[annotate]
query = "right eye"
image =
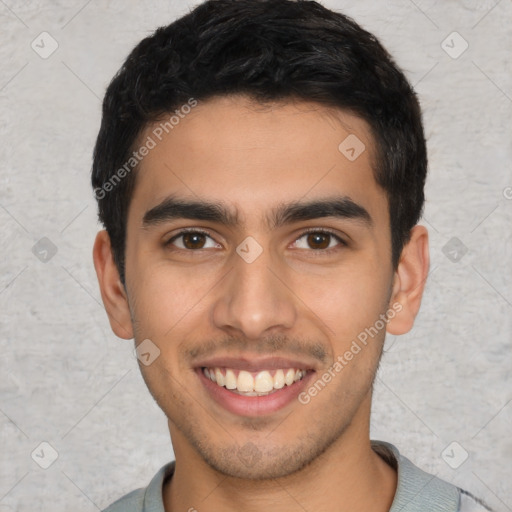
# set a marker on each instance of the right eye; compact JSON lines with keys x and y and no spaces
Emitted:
{"x":191,"y":240}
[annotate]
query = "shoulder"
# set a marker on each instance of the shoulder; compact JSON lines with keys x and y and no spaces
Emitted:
{"x":131,"y":502}
{"x":148,"y":499}
{"x":418,"y":491}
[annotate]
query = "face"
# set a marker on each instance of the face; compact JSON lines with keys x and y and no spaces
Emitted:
{"x":257,"y":253}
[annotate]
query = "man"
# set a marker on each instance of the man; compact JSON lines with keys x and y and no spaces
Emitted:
{"x":259,"y":171}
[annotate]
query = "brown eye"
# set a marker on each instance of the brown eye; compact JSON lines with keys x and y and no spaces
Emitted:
{"x":192,"y":240}
{"x":319,"y":241}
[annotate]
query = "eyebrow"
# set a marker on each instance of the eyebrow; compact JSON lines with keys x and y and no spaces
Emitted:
{"x":341,"y":207}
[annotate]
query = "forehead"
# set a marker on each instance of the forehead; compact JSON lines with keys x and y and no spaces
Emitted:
{"x":236,"y":151}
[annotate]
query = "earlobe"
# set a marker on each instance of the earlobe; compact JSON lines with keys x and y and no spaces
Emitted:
{"x":112,"y":290}
{"x":409,"y":281}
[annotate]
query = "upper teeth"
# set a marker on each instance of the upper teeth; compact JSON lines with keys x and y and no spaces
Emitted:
{"x":259,"y":383}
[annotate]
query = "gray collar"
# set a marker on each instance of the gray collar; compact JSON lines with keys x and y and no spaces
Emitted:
{"x":416,"y":490}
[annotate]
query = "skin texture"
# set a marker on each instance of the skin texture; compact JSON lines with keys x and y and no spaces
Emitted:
{"x":293,"y":300}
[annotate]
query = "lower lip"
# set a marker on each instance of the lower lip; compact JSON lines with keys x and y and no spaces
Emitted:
{"x":254,"y":405}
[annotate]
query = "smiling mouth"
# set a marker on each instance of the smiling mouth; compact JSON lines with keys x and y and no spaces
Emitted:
{"x":260,"y":383}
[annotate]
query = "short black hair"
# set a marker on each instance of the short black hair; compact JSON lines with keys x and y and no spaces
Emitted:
{"x":269,"y":50}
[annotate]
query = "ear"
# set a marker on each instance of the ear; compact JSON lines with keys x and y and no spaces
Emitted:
{"x":112,"y":290}
{"x":409,"y":282}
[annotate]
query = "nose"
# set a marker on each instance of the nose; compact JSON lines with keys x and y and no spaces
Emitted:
{"x":254,"y":299}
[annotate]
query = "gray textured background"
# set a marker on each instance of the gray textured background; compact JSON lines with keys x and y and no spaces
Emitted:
{"x":67,"y":381}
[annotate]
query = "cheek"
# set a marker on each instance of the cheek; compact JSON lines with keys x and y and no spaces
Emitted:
{"x":347,"y":300}
{"x":169,"y":298}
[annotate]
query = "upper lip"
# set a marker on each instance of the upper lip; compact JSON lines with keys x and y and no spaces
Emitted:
{"x":254,"y":364}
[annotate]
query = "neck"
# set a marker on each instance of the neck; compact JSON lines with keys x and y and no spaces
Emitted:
{"x":348,"y":476}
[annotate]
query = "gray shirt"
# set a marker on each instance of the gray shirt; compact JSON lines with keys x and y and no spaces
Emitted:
{"x":416,"y":490}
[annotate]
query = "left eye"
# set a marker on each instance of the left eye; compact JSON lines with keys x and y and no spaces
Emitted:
{"x":318,"y":240}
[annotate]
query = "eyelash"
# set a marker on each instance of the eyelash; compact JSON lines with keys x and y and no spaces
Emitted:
{"x":322,"y":231}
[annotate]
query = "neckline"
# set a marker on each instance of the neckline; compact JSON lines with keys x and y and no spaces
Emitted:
{"x":414,"y":486}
